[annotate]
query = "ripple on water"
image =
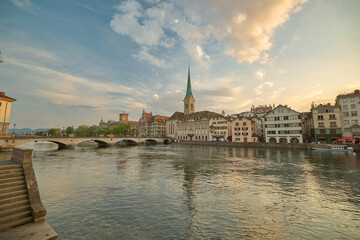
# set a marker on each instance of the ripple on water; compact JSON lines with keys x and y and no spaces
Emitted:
{"x":189,"y":192}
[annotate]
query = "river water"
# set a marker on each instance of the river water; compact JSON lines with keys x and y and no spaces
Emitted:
{"x":199,"y":192}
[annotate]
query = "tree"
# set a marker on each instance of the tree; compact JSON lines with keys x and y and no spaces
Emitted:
{"x":40,"y":133}
{"x":122,"y":129}
{"x":69,"y":130}
{"x":84,"y":130}
{"x":54,"y":132}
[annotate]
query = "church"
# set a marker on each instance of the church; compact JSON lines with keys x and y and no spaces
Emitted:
{"x":190,"y":125}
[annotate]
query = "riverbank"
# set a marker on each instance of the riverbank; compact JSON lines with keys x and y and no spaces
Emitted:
{"x":248,"y":144}
{"x":263,"y":145}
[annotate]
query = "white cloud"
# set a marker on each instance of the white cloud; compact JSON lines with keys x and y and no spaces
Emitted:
{"x":23,"y":4}
{"x":260,"y":74}
{"x":246,"y":27}
{"x":155,"y":97}
{"x":259,"y":90}
{"x":144,"y":55}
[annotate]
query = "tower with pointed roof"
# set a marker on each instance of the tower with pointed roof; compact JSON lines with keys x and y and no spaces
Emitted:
{"x":189,"y":101}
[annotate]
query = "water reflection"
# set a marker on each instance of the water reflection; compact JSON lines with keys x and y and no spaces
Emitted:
{"x":190,"y":192}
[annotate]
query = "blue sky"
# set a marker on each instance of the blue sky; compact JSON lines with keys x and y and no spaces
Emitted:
{"x":75,"y":62}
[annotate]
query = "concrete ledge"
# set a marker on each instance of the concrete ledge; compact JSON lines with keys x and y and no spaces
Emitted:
{"x":31,"y":231}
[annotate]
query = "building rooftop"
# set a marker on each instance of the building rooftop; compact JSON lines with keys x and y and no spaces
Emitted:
{"x":352,"y":94}
{"x":3,"y":97}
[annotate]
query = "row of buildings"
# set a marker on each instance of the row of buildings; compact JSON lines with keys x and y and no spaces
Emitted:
{"x":324,"y":123}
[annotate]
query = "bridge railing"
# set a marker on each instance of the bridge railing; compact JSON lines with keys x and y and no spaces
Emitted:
{"x":90,"y":136}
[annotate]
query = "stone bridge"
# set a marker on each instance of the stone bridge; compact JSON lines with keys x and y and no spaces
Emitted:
{"x":71,"y":142}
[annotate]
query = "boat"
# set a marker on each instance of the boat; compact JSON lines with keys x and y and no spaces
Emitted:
{"x":333,"y":147}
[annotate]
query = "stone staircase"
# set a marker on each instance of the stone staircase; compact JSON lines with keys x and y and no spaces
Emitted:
{"x":15,"y":209}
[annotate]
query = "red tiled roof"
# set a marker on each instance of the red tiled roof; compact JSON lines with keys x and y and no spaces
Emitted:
{"x":148,"y":117}
{"x":164,"y":118}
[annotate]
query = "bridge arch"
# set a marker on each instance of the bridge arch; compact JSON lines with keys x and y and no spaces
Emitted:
{"x":150,"y":141}
{"x":129,"y":142}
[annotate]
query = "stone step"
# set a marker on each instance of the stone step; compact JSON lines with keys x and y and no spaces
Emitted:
{"x":11,"y":179}
{"x":13,"y":194}
{"x":14,"y":210}
{"x":21,"y":202}
{"x":13,"y":199}
{"x":16,"y":223}
{"x":12,"y":184}
{"x":14,"y":217}
{"x":12,"y":189}
{"x":8,"y":167}
{"x":10,"y":175}
{"x":12,"y":170}
{"x":31,"y":231}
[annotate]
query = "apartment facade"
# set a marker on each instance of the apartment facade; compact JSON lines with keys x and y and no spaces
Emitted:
{"x":350,"y":114}
{"x":195,"y":126}
{"x":283,"y":125}
{"x":219,"y":128}
{"x":327,"y":123}
{"x":244,"y":129}
{"x":152,"y":125}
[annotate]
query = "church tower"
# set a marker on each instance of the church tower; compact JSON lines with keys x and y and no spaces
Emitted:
{"x":189,"y":101}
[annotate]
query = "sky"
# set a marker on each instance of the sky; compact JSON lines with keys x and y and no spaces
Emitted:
{"x":76,"y":62}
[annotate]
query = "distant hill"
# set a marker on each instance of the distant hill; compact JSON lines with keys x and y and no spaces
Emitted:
{"x":28,"y":130}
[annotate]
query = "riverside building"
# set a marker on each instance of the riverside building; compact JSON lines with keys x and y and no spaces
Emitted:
{"x":327,"y":123}
{"x":5,"y":108}
{"x":219,"y":128}
{"x":152,"y":126}
{"x":283,"y":125}
{"x":244,"y":129}
{"x":350,"y":114}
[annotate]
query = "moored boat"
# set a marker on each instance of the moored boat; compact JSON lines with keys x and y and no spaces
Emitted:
{"x":334,"y":147}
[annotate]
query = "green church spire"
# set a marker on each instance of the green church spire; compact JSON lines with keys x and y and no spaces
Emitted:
{"x":188,"y":89}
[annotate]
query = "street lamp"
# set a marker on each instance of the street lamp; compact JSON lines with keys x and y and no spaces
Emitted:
{"x":14,"y":128}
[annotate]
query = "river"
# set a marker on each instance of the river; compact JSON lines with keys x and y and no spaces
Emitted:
{"x":199,"y":192}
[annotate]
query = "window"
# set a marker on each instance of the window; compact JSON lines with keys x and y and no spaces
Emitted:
{"x":322,"y":131}
{"x":321,"y":124}
{"x":346,"y":114}
{"x":332,"y":131}
{"x":354,"y":113}
{"x":332,"y":116}
{"x":320,"y":117}
{"x":353,"y":106}
{"x":345,"y":107}
{"x":354,"y":121}
{"x":286,"y":118}
{"x":345,"y":100}
{"x":352,"y":99}
{"x":244,"y":123}
{"x":271,"y":132}
{"x":332,"y":124}
{"x":237,"y":124}
{"x":346,"y":122}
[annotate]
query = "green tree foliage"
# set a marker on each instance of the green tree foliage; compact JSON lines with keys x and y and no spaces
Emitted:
{"x":40,"y":133}
{"x":69,"y":130}
{"x":84,"y":130}
{"x":121,"y":129}
{"x":54,"y":132}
